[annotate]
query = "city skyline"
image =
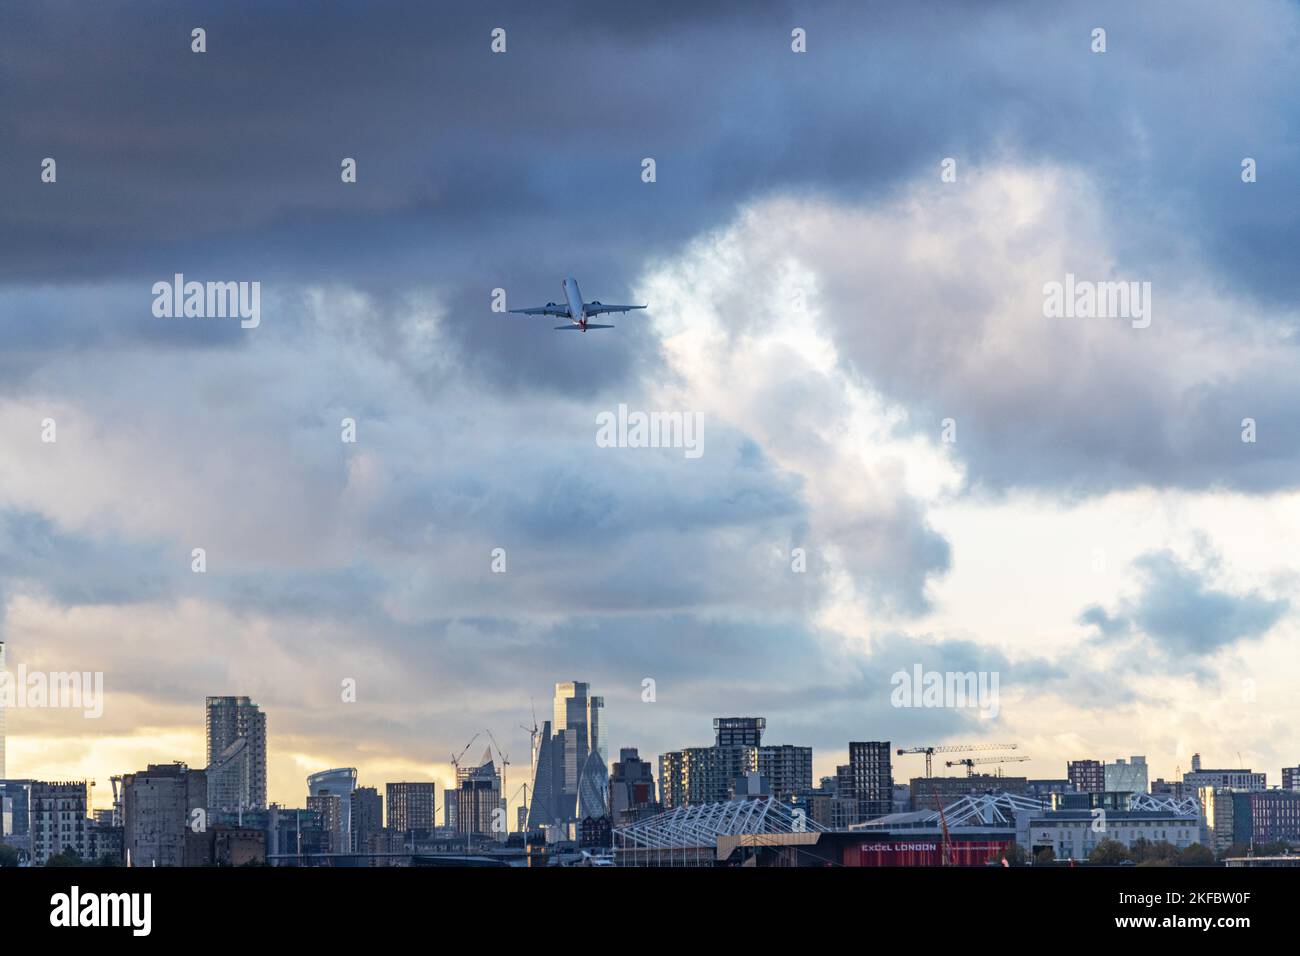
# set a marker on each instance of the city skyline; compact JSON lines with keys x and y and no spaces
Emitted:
{"x":993,"y":355}
{"x":826,"y":763}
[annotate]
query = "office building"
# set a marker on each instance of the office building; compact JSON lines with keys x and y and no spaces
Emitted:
{"x":1218,"y":812}
{"x":571,"y":781}
{"x":1044,"y":790}
{"x":59,"y":819}
{"x":632,"y":794}
{"x":480,"y":808}
{"x":158,"y":809}
{"x":1074,"y":834}
{"x":738,"y":731}
{"x":825,"y":807}
{"x":329,"y":807}
{"x":698,"y":775}
{"x":295,"y":833}
{"x":15,"y":808}
{"x":1128,"y":776}
{"x":367,"y":816}
{"x":236,"y":732}
{"x":1086,"y":776}
{"x":870,"y":778}
{"x":703,"y":774}
{"x":1198,"y":778}
{"x":1266,"y":816}
{"x":1291,"y":778}
{"x":787,"y":769}
{"x":339,"y":782}
{"x":411,"y":807}
{"x":928,"y":793}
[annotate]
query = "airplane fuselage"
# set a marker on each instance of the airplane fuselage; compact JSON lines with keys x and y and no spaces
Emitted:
{"x":573,"y":298}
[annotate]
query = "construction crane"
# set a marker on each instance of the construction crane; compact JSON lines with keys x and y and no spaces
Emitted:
{"x":969,"y":762}
{"x":505,"y":763}
{"x":945,"y":848}
{"x":524,"y":788}
{"x":533,"y":734}
{"x":455,"y":760}
{"x":950,"y":749}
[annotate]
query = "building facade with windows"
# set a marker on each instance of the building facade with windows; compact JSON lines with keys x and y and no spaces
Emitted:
{"x":236,"y":753}
{"x":59,"y":819}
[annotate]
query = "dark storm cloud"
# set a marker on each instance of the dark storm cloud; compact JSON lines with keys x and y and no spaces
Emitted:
{"x":479,"y":171}
{"x":1177,"y":617}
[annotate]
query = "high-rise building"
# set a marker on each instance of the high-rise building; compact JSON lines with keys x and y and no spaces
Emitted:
{"x":572,"y":775}
{"x":339,"y":782}
{"x":738,"y":731}
{"x":411,"y":806}
{"x":698,"y":775}
{"x":59,"y":819}
{"x":236,"y":768}
{"x":870,"y":778}
{"x":713,"y":774}
{"x":1126,"y":776}
{"x":330,"y":808}
{"x":478,"y":798}
{"x":787,"y":769}
{"x":15,"y":808}
{"x":1291,"y":778}
{"x":158,"y":805}
{"x":631,"y":788}
{"x":1086,"y":776}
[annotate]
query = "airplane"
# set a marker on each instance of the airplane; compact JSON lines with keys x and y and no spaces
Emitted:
{"x":575,"y":310}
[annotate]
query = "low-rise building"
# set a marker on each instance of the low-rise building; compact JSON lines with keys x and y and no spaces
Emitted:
{"x":1074,"y":834}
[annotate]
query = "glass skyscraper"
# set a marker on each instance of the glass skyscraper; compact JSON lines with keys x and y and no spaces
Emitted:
{"x":340,"y":783}
{"x":572,"y":778}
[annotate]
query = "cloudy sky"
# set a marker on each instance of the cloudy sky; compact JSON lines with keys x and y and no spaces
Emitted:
{"x":1089,"y":524}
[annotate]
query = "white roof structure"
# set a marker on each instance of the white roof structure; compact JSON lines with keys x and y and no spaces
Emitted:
{"x":1001,"y":810}
{"x":1150,"y":803}
{"x":701,"y":825}
{"x":973,"y":810}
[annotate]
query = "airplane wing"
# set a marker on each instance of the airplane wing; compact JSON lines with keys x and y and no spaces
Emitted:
{"x":549,"y":308}
{"x":598,"y":307}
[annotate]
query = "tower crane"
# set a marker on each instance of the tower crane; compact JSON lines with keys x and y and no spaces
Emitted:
{"x":524,"y":788}
{"x":950,"y":749}
{"x":505,"y":763}
{"x":455,"y":760}
{"x":533,"y":734}
{"x":969,"y":762}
